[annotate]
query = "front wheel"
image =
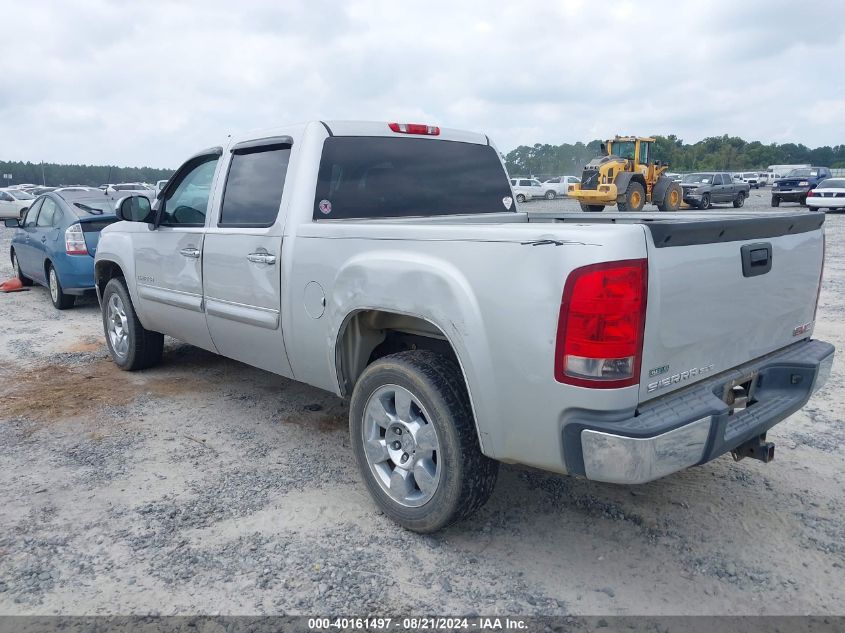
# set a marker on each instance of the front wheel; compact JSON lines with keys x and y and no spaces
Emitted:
{"x":633,"y":199}
{"x":550,"y":195}
{"x":130,"y":345}
{"x":61,"y":300}
{"x":775,"y":201}
{"x":414,"y":438}
{"x":739,"y":200}
{"x":705,"y":201}
{"x":520,"y":197}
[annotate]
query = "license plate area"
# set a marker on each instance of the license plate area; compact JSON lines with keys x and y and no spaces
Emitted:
{"x":739,"y":394}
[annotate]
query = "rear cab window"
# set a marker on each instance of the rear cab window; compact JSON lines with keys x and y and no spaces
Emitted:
{"x":386,"y":177}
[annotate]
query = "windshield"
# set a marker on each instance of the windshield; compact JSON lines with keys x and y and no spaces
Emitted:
{"x":20,"y":195}
{"x":803,"y":173}
{"x":702,"y":178}
{"x":623,"y":149}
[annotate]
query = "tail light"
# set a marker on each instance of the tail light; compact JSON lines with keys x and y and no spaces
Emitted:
{"x":414,"y":128}
{"x":811,"y":193}
{"x":600,"y":327}
{"x":75,"y":240}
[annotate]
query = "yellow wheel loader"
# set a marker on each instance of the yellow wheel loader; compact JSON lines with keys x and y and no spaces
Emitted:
{"x":626,"y":176}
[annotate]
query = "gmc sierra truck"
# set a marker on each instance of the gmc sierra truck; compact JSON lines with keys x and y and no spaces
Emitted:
{"x":389,"y":263}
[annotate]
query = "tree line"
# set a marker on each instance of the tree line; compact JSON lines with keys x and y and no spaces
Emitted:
{"x":728,"y":153}
{"x":55,"y":175}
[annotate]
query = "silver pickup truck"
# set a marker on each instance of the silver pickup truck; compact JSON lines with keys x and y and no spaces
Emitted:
{"x":389,"y":264}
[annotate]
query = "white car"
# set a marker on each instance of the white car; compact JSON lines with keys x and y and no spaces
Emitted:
{"x":530,"y":188}
{"x":560,"y":185}
{"x":828,"y":194}
{"x":161,"y":184}
{"x":13,"y":202}
{"x":131,"y":188}
{"x":751,"y":178}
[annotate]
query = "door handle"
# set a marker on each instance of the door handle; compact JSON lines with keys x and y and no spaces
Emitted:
{"x":261,"y":258}
{"x":191,"y":252}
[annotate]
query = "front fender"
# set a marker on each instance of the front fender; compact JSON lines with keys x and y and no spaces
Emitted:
{"x":116,"y":247}
{"x":421,"y":286}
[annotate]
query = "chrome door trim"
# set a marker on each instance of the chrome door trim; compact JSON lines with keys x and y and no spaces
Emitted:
{"x":267,"y":318}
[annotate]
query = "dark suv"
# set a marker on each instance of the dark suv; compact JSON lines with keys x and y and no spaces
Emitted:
{"x":796,"y":184}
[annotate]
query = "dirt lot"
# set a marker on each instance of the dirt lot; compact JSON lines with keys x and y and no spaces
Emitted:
{"x":205,"y":486}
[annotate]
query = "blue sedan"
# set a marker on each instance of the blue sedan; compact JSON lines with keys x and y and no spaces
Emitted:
{"x":56,"y":242}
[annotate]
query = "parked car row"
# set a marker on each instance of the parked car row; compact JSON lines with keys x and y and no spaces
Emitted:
{"x":531,"y":188}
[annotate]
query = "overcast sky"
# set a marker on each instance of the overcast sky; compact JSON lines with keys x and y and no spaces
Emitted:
{"x":148,"y":83}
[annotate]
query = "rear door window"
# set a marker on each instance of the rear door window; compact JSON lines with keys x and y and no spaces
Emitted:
{"x":382,"y":177}
{"x":254,"y":186}
{"x":49,"y":210}
{"x":32,"y":214}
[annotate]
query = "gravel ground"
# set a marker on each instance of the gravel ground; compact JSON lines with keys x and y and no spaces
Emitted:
{"x":205,"y":486}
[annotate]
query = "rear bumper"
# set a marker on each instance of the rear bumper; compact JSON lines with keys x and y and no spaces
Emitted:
{"x":695,"y":425}
{"x":818,"y":202}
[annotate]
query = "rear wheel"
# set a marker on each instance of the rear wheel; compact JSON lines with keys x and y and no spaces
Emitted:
{"x":60,"y":299}
{"x":775,"y":201}
{"x":633,"y":199}
{"x":414,"y":439}
{"x":739,"y":200}
{"x":705,"y":201}
{"x":591,"y":208}
{"x":131,"y":346}
{"x":672,"y":198}
{"x":25,"y":281}
{"x":550,"y":195}
{"x":520,"y":197}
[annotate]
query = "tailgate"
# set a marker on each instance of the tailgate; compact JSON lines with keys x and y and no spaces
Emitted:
{"x":708,"y":312}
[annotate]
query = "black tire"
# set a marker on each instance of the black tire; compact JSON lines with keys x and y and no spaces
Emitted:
{"x":61,"y":300}
{"x":550,"y":195}
{"x":520,"y":197}
{"x":633,"y":193}
{"x":775,"y":201}
{"x":705,"y":202}
{"x":672,"y":198}
{"x":467,"y":477}
{"x":591,"y":208}
{"x":739,"y":200}
{"x":144,"y":346}
{"x":803,"y":200}
{"x":25,"y":281}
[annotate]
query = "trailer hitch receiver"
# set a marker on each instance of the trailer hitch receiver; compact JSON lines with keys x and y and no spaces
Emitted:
{"x":755,"y":448}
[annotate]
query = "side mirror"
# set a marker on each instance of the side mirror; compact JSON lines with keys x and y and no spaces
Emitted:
{"x":134,"y":209}
{"x":12,"y":223}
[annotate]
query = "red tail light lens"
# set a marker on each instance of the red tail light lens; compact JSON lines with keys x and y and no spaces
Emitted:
{"x":811,"y":193}
{"x":414,"y":128}
{"x":75,"y":241}
{"x":600,"y":327}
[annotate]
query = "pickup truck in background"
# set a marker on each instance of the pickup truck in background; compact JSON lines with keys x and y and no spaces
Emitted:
{"x":388,"y":264}
{"x":704,"y":189}
{"x":794,"y":187}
